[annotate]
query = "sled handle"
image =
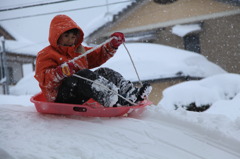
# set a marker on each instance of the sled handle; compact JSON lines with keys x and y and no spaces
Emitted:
{"x":91,"y":50}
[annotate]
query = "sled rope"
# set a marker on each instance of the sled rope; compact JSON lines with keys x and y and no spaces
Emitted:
{"x":106,"y":88}
{"x":133,"y":65}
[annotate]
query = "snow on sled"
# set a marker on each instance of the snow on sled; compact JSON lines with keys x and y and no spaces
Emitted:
{"x":90,"y":108}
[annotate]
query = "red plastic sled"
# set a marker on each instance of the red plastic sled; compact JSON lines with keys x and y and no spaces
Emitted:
{"x":91,"y":108}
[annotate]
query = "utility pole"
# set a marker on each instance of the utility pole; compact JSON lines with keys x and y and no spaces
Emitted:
{"x":4,"y":70}
{"x":108,"y":15}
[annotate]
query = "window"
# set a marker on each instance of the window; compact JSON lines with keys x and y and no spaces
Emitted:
{"x":164,"y":1}
{"x":1,"y":73}
{"x":10,"y":72}
{"x":192,"y":43}
{"x":234,"y":2}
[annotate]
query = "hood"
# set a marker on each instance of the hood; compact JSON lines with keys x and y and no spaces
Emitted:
{"x":59,"y":25}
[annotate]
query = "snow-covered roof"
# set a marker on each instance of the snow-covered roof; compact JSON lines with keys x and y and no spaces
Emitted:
{"x":154,"y":61}
{"x":20,"y":47}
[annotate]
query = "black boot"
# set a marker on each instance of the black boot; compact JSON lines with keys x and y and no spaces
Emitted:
{"x":144,"y":92}
{"x":135,"y":95}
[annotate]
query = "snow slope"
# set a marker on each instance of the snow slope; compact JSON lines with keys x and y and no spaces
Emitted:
{"x":156,"y":134}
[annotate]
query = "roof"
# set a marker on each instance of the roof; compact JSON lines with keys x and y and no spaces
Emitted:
{"x":6,"y":34}
{"x":148,"y":15}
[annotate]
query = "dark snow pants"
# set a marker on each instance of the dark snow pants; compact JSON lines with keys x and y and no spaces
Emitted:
{"x":75,"y":90}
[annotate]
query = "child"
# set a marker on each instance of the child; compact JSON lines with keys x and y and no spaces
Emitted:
{"x":54,"y":70}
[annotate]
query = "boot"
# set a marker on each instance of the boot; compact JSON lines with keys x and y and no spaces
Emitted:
{"x":135,"y":94}
{"x":144,"y":92}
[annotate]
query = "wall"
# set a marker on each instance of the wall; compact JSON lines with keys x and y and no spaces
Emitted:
{"x":220,"y":42}
{"x":150,"y":15}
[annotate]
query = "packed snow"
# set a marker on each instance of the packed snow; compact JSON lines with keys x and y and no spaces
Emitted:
{"x":158,"y":132}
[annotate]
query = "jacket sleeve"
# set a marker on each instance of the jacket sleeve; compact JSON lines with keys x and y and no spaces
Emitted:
{"x":100,"y":56}
{"x":45,"y":74}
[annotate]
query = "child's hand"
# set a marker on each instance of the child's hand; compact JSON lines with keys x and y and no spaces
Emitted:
{"x":66,"y":69}
{"x":117,"y":40}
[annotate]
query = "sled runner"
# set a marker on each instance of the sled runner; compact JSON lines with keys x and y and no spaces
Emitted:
{"x":90,"y":109}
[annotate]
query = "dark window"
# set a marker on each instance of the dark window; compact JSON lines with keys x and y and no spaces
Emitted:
{"x":1,"y":73}
{"x":234,"y":2}
{"x":164,"y":1}
{"x":10,"y":71}
{"x":192,"y":43}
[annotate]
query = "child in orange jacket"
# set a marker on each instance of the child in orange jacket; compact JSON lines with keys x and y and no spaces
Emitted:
{"x":55,"y":67}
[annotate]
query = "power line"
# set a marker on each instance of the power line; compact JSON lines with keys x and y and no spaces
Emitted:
{"x":34,"y":5}
{"x":69,"y":10}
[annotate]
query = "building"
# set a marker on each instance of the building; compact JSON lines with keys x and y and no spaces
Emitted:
{"x":208,"y":27}
{"x":15,"y":58}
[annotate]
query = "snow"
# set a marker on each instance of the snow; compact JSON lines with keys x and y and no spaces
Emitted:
{"x":182,"y":30}
{"x":160,"y":132}
{"x":22,"y":47}
{"x":154,"y":61}
{"x":221,"y":91}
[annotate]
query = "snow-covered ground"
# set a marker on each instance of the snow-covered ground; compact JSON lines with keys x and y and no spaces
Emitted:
{"x":160,"y":132}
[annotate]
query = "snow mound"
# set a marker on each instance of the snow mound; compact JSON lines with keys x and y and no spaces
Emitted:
{"x":221,"y":92}
{"x":26,"y":86}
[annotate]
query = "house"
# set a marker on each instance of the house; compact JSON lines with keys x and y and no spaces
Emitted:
{"x":208,"y":27}
{"x":15,"y":58}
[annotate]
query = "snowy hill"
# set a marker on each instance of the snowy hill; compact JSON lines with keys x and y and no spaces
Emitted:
{"x":156,"y":134}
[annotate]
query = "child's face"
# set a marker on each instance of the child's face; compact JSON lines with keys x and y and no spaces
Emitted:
{"x":67,"y":39}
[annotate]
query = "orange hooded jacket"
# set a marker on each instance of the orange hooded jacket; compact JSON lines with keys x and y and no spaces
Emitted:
{"x":54,"y":55}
